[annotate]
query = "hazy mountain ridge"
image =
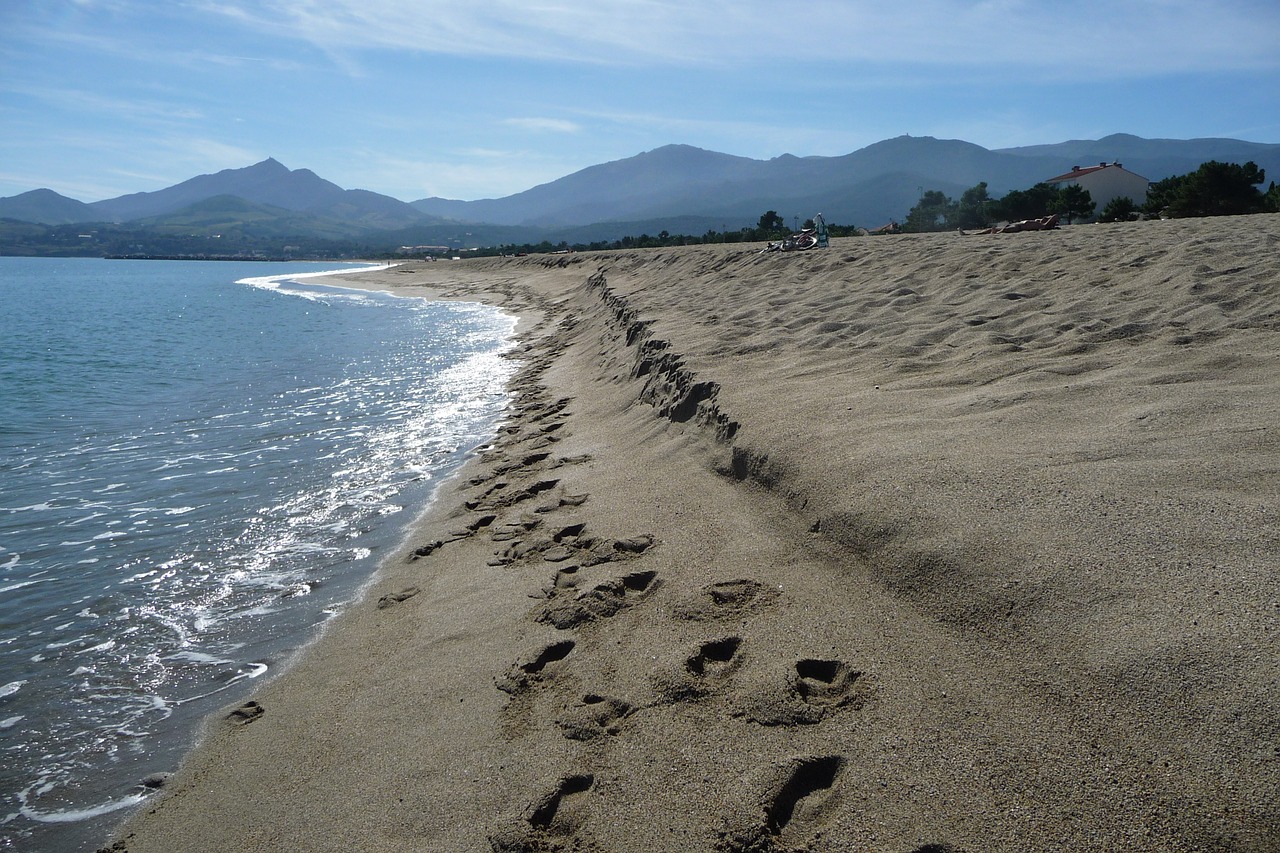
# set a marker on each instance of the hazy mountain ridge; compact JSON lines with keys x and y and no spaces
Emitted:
{"x":45,"y":207}
{"x":300,"y":198}
{"x":674,"y":188}
{"x":869,"y":186}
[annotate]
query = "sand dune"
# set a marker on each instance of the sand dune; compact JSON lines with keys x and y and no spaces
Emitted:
{"x":916,"y":543}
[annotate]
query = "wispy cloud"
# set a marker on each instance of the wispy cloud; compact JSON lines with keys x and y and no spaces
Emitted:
{"x":84,"y":100}
{"x":464,"y":174}
{"x":1139,"y":36}
{"x":126,"y":29}
{"x":548,"y":125}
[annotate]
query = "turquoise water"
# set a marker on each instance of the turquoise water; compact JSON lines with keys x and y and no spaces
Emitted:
{"x":198,"y":466}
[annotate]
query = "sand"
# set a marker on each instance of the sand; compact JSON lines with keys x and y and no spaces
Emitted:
{"x":916,"y":543}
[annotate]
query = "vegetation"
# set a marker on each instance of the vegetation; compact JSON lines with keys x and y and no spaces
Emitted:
{"x":1072,"y":201}
{"x":1119,"y":209}
{"x":770,"y":226}
{"x":976,"y":209}
{"x":1215,"y":189}
{"x":106,"y":240}
{"x":1030,"y":203}
{"x":934,"y":212}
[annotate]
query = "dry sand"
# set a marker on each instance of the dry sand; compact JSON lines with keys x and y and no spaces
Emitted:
{"x":917,"y":543}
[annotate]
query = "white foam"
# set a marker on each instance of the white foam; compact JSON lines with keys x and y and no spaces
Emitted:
{"x":275,"y":282}
{"x":40,"y":507}
{"x":12,"y":587}
{"x":11,"y":688}
{"x":76,"y":815}
{"x":198,"y":657}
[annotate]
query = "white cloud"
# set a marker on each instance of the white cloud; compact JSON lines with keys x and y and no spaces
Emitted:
{"x":1139,"y":36}
{"x":552,"y":125}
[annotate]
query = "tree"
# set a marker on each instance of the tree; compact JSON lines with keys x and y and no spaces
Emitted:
{"x":1220,"y":189}
{"x":973,"y":209}
{"x":1072,"y":200}
{"x":770,"y":222}
{"x":1119,"y":209}
{"x":1030,"y":203}
{"x":931,"y":213}
{"x":1160,"y":194}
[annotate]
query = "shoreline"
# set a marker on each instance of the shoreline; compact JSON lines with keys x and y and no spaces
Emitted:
{"x":912,"y":541}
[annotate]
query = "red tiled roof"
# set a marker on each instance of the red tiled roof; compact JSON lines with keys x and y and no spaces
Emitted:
{"x":1077,"y":171}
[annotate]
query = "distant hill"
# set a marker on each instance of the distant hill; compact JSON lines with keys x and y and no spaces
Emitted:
{"x":260,"y":201}
{"x":1154,"y":159}
{"x":45,"y":207}
{"x":870,"y":186}
{"x":232,"y":216}
{"x":270,"y":183}
{"x":676,"y":188}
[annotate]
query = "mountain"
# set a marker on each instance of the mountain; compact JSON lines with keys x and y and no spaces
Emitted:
{"x":1155,"y":158}
{"x":45,"y":207}
{"x":870,"y":186}
{"x":676,"y":188}
{"x":270,"y":183}
{"x":618,"y":190}
{"x":231,"y":216}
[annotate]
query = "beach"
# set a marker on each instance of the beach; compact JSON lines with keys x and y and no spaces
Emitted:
{"x":914,"y":543}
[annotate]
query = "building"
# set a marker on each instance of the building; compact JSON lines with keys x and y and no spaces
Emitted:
{"x":1104,"y":182}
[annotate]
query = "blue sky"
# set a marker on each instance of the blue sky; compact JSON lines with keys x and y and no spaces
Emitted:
{"x":483,"y":99}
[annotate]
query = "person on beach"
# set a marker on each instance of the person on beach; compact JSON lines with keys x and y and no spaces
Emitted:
{"x":1044,"y":223}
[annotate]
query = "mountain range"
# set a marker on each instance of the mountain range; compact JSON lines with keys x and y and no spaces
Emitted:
{"x":678,"y":188}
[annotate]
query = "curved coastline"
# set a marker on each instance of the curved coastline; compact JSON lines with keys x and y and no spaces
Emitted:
{"x":918,"y":542}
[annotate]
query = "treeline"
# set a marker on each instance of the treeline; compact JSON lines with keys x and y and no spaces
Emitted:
{"x":771,"y":226}
{"x":1214,"y":189}
{"x":105,"y":240}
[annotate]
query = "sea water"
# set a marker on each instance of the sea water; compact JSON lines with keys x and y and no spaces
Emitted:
{"x":200,"y":464}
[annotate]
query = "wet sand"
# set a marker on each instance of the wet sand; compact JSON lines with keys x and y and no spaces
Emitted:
{"x":916,"y":543}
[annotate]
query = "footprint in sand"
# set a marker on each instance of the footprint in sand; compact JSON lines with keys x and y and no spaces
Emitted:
{"x":535,"y":670}
{"x":599,"y":602}
{"x":594,"y":717}
{"x":714,"y":658}
{"x":246,"y":714}
{"x":700,"y":673}
{"x":426,"y":550}
{"x":476,"y":524}
{"x":512,"y":529}
{"x":804,"y":694}
{"x":572,"y":544}
{"x":551,"y":823}
{"x":394,"y":598}
{"x":501,"y":496}
{"x":797,"y":797}
{"x":726,"y":599}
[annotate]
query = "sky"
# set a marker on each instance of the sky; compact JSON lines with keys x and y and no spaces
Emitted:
{"x":483,"y":99}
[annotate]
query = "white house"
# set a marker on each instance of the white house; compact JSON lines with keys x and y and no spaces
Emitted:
{"x":1104,"y":182}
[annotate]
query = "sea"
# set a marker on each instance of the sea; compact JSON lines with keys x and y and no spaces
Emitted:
{"x":201,"y":463}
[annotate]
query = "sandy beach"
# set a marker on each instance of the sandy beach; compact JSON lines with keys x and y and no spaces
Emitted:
{"x":917,"y":543}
